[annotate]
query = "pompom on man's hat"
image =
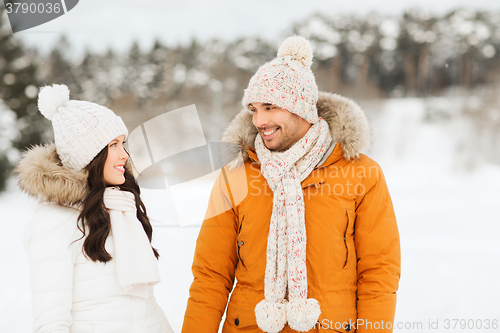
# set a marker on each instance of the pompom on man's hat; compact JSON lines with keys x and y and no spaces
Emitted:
{"x":81,"y":129}
{"x":287,"y":81}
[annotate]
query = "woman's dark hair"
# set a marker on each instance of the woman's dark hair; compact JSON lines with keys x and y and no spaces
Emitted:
{"x":95,"y":216}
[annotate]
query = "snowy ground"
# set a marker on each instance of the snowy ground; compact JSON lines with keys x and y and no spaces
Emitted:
{"x":448,"y":220}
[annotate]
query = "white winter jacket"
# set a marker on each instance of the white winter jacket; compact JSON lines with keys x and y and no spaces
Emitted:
{"x":71,"y":293}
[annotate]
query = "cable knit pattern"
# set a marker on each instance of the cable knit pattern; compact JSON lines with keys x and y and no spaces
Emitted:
{"x":286,"y":271}
{"x":70,"y":292}
{"x":81,"y":129}
{"x":287,"y":81}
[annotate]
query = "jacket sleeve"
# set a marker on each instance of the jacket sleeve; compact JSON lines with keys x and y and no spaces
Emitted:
{"x":378,"y":255}
{"x":51,"y":256}
{"x":214,"y":263}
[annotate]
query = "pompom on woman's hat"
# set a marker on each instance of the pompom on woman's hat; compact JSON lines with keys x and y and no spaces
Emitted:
{"x":81,"y":129}
{"x":287,"y":81}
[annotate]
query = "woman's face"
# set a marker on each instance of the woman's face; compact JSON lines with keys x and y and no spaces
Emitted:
{"x":114,"y":167}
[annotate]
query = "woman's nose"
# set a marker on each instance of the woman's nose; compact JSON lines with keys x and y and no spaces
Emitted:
{"x":124,"y":154}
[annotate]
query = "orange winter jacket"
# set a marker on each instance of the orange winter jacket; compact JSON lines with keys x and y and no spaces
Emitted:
{"x":353,"y":251}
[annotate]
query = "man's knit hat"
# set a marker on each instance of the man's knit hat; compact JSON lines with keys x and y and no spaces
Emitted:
{"x":287,"y":81}
{"x":81,"y":129}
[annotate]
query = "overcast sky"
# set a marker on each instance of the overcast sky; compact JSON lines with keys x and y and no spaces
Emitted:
{"x":98,"y":25}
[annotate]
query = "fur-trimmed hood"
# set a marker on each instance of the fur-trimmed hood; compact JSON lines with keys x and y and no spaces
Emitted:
{"x":348,"y":126}
{"x":42,"y":176}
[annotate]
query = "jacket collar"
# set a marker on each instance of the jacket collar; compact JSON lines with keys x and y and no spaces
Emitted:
{"x":42,"y":176}
{"x":348,"y":126}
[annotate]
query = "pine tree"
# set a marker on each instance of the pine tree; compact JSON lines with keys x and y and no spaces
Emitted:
{"x":59,"y":69}
{"x":18,"y":89}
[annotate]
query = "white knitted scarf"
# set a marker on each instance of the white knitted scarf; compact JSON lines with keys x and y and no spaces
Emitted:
{"x":286,"y":272}
{"x":135,"y":262}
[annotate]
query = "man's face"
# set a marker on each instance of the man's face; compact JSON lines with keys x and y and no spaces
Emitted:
{"x":279,"y":128}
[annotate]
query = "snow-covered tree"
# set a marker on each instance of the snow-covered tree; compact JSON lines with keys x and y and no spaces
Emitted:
{"x":8,"y":133}
{"x":18,"y":92}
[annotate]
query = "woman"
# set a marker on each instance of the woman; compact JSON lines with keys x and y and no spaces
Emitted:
{"x":92,"y":264}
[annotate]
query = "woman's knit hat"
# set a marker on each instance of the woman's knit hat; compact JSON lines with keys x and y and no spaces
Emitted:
{"x":81,"y":129}
{"x":287,"y":81}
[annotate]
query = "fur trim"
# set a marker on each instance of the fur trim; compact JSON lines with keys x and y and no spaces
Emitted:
{"x":348,"y":123}
{"x":348,"y":126}
{"x":41,"y":175}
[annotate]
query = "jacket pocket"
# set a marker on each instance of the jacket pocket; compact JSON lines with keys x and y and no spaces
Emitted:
{"x":240,"y":242}
{"x":240,"y":316}
{"x":337,"y":319}
{"x":349,"y":247}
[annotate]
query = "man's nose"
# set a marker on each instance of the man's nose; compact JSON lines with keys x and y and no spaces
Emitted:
{"x":260,"y":118}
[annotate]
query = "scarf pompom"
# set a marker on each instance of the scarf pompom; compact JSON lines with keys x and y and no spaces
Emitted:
{"x":286,"y":267}
{"x":271,"y":316}
{"x":303,"y":314}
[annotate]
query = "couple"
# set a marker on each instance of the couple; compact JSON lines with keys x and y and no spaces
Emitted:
{"x":313,"y":244}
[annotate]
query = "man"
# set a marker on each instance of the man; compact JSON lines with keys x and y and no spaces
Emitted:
{"x":305,"y":225}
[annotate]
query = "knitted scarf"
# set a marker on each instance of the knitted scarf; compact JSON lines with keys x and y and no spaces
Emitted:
{"x":286,"y":273}
{"x":134,"y":258}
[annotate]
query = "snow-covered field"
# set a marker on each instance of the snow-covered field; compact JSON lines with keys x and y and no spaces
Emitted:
{"x":448,"y":219}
